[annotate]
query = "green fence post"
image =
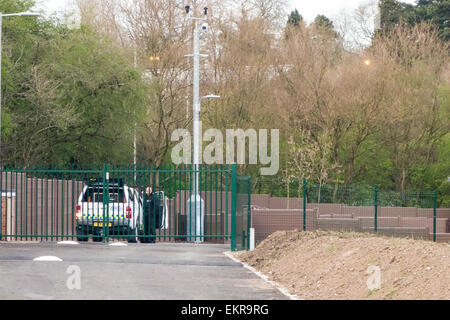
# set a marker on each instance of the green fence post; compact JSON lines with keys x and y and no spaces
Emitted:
{"x":105,"y":203}
{"x":249,"y":217}
{"x":233,"y":206}
{"x":304,"y":204}
{"x":1,"y":207}
{"x":375,"y":223}
{"x":434,"y":215}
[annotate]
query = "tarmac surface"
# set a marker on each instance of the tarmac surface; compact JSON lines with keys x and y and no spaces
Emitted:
{"x":96,"y":271}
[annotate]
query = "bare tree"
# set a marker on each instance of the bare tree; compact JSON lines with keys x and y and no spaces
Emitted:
{"x":417,"y":116}
{"x":357,"y":28}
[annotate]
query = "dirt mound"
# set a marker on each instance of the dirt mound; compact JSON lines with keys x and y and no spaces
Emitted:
{"x":331,"y":265}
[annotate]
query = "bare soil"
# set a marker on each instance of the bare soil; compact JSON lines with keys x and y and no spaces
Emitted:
{"x":330,"y":265}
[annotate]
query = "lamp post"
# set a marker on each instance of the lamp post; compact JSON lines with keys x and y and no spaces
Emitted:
{"x":135,"y":131}
{"x":195,"y":203}
{"x":21,"y":14}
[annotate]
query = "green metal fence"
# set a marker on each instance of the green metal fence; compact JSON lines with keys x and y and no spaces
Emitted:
{"x":109,"y":203}
{"x":243,"y":213}
{"x":369,"y":209}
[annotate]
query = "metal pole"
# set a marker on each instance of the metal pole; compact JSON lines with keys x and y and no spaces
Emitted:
{"x":434,"y":215}
{"x":196,"y":204}
{"x":196,"y":106}
{"x":304,"y":204}
{"x":249,"y":208}
{"x":375,"y":222}
{"x":135,"y":125}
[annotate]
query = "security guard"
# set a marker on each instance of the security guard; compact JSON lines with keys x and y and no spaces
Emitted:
{"x":150,"y":207}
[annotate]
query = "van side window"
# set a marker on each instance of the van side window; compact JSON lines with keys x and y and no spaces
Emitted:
{"x":96,"y":195}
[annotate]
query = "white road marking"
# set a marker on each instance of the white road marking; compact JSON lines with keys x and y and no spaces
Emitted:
{"x":280,"y":288}
{"x":118,"y":244}
{"x":36,"y":296}
{"x":47,"y":259}
{"x":68,"y":242}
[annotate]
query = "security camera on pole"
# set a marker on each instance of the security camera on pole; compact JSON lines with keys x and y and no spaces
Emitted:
{"x":195,"y":205}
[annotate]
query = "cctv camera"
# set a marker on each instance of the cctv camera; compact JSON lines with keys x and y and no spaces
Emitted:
{"x":205,"y":26}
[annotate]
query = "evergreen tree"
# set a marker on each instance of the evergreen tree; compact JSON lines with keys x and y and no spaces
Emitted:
{"x":436,"y":12}
{"x":295,"y":18}
{"x":441,"y":18}
{"x":324,"y":22}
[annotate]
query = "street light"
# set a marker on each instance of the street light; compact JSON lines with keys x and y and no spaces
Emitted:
{"x":367,"y":62}
{"x":20,"y":14}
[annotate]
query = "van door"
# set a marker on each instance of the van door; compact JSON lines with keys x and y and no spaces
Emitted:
{"x":162,"y":211}
{"x":91,"y":203}
{"x":140,"y":205}
{"x":117,"y":205}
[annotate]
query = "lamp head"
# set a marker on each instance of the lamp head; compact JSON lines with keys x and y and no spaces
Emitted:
{"x":22,"y":14}
{"x":211,"y":96}
{"x":30,"y":14}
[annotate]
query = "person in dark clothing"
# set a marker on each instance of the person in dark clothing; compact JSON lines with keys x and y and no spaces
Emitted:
{"x":149,"y":216}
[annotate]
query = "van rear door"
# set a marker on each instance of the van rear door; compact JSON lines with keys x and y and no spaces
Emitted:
{"x":117,"y":204}
{"x":92,"y":204}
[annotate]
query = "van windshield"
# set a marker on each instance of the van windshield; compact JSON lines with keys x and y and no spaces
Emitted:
{"x":96,"y":195}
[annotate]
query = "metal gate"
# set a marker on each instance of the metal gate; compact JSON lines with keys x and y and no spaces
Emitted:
{"x":109,"y":203}
{"x":243,"y":213}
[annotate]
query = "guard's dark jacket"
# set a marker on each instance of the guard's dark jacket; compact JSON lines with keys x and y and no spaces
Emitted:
{"x":149,"y":205}
{"x":150,"y":217}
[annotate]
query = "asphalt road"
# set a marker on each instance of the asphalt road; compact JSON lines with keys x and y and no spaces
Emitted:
{"x":138,"y":272}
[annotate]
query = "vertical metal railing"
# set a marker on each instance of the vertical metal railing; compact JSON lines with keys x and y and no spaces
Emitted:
{"x":233,"y":206}
{"x":375,"y":204}
{"x":434,"y":214}
{"x":242,"y":214}
{"x":305,"y":196}
{"x":364,"y":208}
{"x":47,"y":203}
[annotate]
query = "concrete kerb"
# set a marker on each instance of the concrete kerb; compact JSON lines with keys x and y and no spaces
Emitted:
{"x":276,"y":285}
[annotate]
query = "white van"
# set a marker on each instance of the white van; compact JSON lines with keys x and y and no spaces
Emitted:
{"x":123,"y":216}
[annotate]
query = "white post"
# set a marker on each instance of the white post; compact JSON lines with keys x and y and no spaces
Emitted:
{"x":252,"y":239}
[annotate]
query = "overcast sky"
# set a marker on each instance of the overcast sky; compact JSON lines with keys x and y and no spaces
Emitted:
{"x":309,"y":9}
